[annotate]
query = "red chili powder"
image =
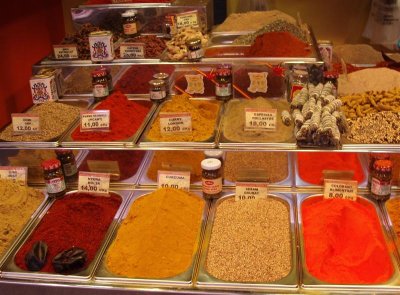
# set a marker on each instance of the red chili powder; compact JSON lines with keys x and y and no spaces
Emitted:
{"x":311,"y":165}
{"x":79,"y":220}
{"x":278,"y":44}
{"x":128,"y":161}
{"x":344,"y":242}
{"x":126,"y":116}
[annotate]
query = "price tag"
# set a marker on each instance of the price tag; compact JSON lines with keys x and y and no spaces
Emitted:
{"x":97,"y":183}
{"x":65,"y":51}
{"x":97,"y":120}
{"x":340,"y":189}
{"x":251,"y":190}
{"x":262,"y":119}
{"x":174,"y":179}
{"x":17,"y":174}
{"x":172,"y":123}
{"x":187,"y":19}
{"x":25,"y":123}
{"x":132,"y":50}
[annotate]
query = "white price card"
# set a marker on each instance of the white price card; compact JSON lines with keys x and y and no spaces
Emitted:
{"x":17,"y":174}
{"x":96,"y":183}
{"x":172,"y":123}
{"x":251,"y":190}
{"x":132,"y":50}
{"x":174,"y":179}
{"x":260,"y":119}
{"x":340,"y":189}
{"x":187,"y":19}
{"x":25,"y":123}
{"x":96,"y":120}
{"x":65,"y":51}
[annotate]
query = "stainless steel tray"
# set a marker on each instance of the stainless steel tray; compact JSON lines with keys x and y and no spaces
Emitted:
{"x":12,"y":271}
{"x":79,"y":102}
{"x":309,"y":282}
{"x":184,"y":280}
{"x":226,"y":38}
{"x":68,"y":141}
{"x":288,"y":283}
{"x":209,"y":143}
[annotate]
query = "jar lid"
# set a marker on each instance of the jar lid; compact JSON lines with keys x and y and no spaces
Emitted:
{"x":107,"y":69}
{"x":129,"y":13}
{"x":160,"y":76}
{"x":214,"y":153}
{"x":51,"y":164}
{"x":379,"y":156}
{"x":331,"y":74}
{"x":100,"y":33}
{"x":193,"y":41}
{"x":63,"y":152}
{"x":223,"y":72}
{"x":99,"y":73}
{"x":211,"y":164}
{"x":300,"y":73}
{"x":157,"y":82}
{"x":383,"y":165}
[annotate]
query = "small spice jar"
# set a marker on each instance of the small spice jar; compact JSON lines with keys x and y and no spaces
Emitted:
{"x":223,"y":77}
{"x":295,"y":82}
{"x":130,"y":23}
{"x":68,"y":164}
{"x":211,"y":178}
{"x":109,"y":77}
{"x":158,"y":91}
{"x":194,"y":49}
{"x":381,"y":180}
{"x":54,"y":178}
{"x":165,"y":78}
{"x":332,"y":76}
{"x":216,"y":154}
{"x":373,"y":157}
{"x":100,"y":84}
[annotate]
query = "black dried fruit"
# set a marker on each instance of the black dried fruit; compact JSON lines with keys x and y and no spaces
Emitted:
{"x":35,"y":259}
{"x":69,"y":260}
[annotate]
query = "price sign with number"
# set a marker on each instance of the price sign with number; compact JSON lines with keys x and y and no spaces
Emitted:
{"x":187,"y":19}
{"x":96,"y":120}
{"x":174,"y":179}
{"x":65,"y":51}
{"x":17,"y":174}
{"x":340,"y":189}
{"x":25,"y":123}
{"x":96,"y":183}
{"x":132,"y":50}
{"x":173,"y":123}
{"x":251,"y":190}
{"x":260,"y":119}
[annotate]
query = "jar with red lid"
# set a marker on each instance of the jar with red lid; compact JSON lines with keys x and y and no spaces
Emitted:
{"x":372,"y":158}
{"x":68,"y":164}
{"x":223,"y":87}
{"x":100,"y":84}
{"x":332,"y":76}
{"x":54,"y":178}
{"x":381,"y":180}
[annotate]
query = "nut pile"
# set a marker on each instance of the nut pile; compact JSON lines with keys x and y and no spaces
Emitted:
{"x":317,"y":116}
{"x":176,"y":47}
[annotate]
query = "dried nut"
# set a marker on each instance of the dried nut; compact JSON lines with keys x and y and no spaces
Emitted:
{"x":35,"y":259}
{"x":69,"y":260}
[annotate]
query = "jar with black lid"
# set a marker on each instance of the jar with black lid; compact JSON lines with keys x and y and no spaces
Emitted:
{"x":211,"y":178}
{"x":100,"y":84}
{"x":130,"y":23}
{"x":381,"y":180}
{"x":68,"y":164}
{"x":54,"y":178}
{"x":194,"y":49}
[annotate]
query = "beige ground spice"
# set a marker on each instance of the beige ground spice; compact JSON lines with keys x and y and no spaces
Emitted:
{"x":356,"y":54}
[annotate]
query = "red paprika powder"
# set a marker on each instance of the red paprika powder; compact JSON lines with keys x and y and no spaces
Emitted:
{"x":79,"y":219}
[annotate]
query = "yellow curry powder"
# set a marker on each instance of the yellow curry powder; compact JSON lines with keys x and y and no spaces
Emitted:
{"x":158,"y":237}
{"x":204,"y":115}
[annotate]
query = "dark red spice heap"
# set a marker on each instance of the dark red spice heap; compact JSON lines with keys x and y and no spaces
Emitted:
{"x":77,"y":220}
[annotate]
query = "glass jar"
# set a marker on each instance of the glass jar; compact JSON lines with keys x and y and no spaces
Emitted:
{"x":165,"y":78}
{"x":109,"y":77}
{"x":54,"y":178}
{"x":158,"y":91}
{"x":216,"y":154}
{"x":296,"y":80}
{"x":381,"y":180}
{"x":194,"y":49}
{"x":211,"y":178}
{"x":130,"y":23}
{"x":169,"y":27}
{"x":100,"y":84}
{"x":68,"y":164}
{"x":223,"y":77}
{"x":332,"y":76}
{"x":373,"y":157}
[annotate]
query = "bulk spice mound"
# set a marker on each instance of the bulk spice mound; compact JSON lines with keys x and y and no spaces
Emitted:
{"x":158,"y":237}
{"x":72,"y":221}
{"x":204,"y":116}
{"x":344,"y":242}
{"x":126,"y":117}
{"x":17,"y":204}
{"x":250,"y":241}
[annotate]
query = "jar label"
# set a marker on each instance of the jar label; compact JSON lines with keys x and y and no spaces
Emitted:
{"x":70,"y":169}
{"x":65,"y":51}
{"x":100,"y":90}
{"x":132,"y":50}
{"x":195,"y":54}
{"x":223,"y":89}
{"x":379,"y":187}
{"x":17,"y":174}
{"x":258,"y":82}
{"x":187,"y":19}
{"x":340,"y":189}
{"x":173,"y":123}
{"x":195,"y":84}
{"x":101,"y":48}
{"x":55,"y":185}
{"x":260,"y":119}
{"x":97,"y":183}
{"x":96,"y":120}
{"x":174,"y":179}
{"x":25,"y":123}
{"x":251,"y":190}
{"x":157,"y":95}
{"x":212,"y":186}
{"x":294,"y":90}
{"x":130,"y":28}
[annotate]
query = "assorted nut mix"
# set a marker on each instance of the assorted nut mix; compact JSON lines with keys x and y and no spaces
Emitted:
{"x":176,"y":47}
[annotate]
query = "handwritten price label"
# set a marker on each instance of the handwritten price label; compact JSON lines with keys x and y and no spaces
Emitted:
{"x":251,"y":190}
{"x":132,"y":50}
{"x":187,"y":19}
{"x":25,"y":123}
{"x":65,"y":51}
{"x":97,"y":120}
{"x":17,"y":174}
{"x":172,"y":123}
{"x":260,"y":119}
{"x":174,"y":179}
{"x":340,"y":189}
{"x":97,"y":183}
